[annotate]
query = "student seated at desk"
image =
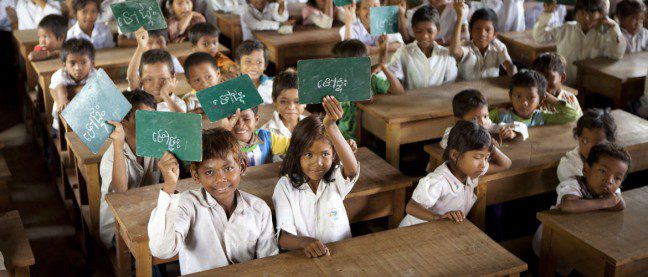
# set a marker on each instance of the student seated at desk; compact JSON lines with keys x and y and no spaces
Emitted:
{"x":594,"y":127}
{"x":285,"y":98}
{"x":227,"y":6}
{"x":260,"y":15}
{"x":204,"y":38}
{"x":202,"y":72}
{"x":531,"y":15}
{"x":448,"y":192}
{"x":26,"y":14}
{"x":447,"y":20}
{"x":252,"y":59}
{"x":357,"y":25}
{"x":51,"y":35}
{"x":552,"y":67}
{"x":180,"y":16}
{"x":631,"y":15}
{"x":318,"y":172}
{"x":87,"y":27}
{"x":482,"y":56}
{"x":148,"y":40}
{"x":510,"y":13}
{"x":321,"y":13}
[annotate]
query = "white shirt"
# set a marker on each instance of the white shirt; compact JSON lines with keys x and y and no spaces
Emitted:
{"x":192,"y":101}
{"x":106,"y":14}
{"x":138,"y":176}
{"x":276,"y":125}
{"x":228,"y":6}
{"x":441,"y":192}
{"x":574,"y":45}
{"x":359,"y":32}
{"x":410,"y":65}
{"x":265,"y":89}
{"x":163,"y":107}
{"x":531,"y":15}
{"x":268,"y":19}
{"x":177,"y":66}
{"x":474,"y":65}
{"x":193,"y":225}
{"x":29,"y":14}
{"x":61,"y":77}
{"x":570,"y":165}
{"x":320,"y":215}
{"x":511,"y":16}
{"x":101,"y":37}
{"x":638,"y":42}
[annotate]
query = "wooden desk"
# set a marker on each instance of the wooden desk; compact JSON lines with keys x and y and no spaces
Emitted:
{"x":14,"y":244}
{"x":523,"y":48}
{"x":600,"y":243}
{"x":535,"y":161}
{"x":379,"y":192}
{"x":25,"y":41}
{"x":621,"y":80}
{"x":439,"y":248}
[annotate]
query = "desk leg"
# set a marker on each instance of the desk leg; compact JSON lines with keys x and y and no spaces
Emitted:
{"x":143,"y":260}
{"x":399,"y":209}
{"x":478,"y":213}
{"x":392,"y":142}
{"x":93,"y":188}
{"x":547,"y":259}
{"x":280,"y":63}
{"x":21,"y":271}
{"x":123,"y":254}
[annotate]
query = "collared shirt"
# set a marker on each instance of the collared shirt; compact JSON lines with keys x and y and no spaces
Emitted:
{"x":164,"y":107}
{"x":410,"y":65}
{"x":138,"y":176}
{"x":30,"y":14}
{"x":265,"y":89}
{"x":319,"y":215}
{"x":576,"y":186}
{"x":268,"y":19}
{"x":474,"y":65}
{"x":638,"y":42}
{"x":570,"y":165}
{"x":194,"y":226}
{"x":359,"y":32}
{"x":61,"y":77}
{"x":563,"y":114}
{"x":276,"y":125}
{"x":101,"y":36}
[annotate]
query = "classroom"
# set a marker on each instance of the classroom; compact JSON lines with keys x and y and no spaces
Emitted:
{"x":157,"y":138}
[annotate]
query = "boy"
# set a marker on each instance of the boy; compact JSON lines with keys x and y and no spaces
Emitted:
{"x":482,"y":56}
{"x":204,"y":38}
{"x":632,"y":14}
{"x":51,"y":35}
{"x":285,"y":97}
{"x":26,"y":14}
{"x":252,"y":59}
{"x":447,"y":19}
{"x":261,"y":15}
{"x":120,"y":168}
{"x":592,"y":35}
{"x":218,"y":224}
{"x":357,"y":25}
{"x":202,"y":72}
{"x":552,"y":67}
{"x":156,"y":39}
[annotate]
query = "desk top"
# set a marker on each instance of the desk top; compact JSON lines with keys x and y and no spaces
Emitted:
{"x":302,"y":35}
{"x":294,"y":12}
{"x":14,"y":244}
{"x":632,"y":66}
{"x":525,"y":39}
{"x":439,"y":248}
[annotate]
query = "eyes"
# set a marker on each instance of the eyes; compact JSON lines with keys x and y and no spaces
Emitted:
{"x":207,"y":77}
{"x":310,"y":154}
{"x":227,"y":169}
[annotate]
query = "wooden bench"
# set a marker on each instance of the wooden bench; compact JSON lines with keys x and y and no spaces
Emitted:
{"x":14,"y":245}
{"x":523,"y":48}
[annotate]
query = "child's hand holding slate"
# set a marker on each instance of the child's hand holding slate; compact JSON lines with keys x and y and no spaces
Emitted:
{"x":142,"y":37}
{"x":224,"y":99}
{"x":118,"y":135}
{"x":229,"y":122}
{"x":170,"y":169}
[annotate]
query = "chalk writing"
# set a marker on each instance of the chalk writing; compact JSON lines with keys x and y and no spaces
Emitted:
{"x":97,"y":121}
{"x":162,"y":136}
{"x":230,"y":97}
{"x":336,"y":83}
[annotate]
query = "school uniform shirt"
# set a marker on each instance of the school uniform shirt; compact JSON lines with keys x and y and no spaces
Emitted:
{"x":319,"y":215}
{"x":531,"y":15}
{"x":570,"y":165}
{"x":191,"y":100}
{"x":636,"y":43}
{"x":30,"y":14}
{"x":276,"y":125}
{"x":314,"y":16}
{"x":563,"y":114}
{"x":410,"y":65}
{"x":474,"y":65}
{"x":574,"y":45}
{"x":101,"y":36}
{"x":193,"y":225}
{"x":447,"y":21}
{"x":227,"y":6}
{"x":163,"y":107}
{"x":441,"y":192}
{"x":511,"y":16}
{"x":264,"y":146}
{"x":265,"y":89}
{"x":268,"y":19}
{"x":177,"y":66}
{"x":359,"y":32}
{"x":138,"y":176}
{"x":61,"y":77}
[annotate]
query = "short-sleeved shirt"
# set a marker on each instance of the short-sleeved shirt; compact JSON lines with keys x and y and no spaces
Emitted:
{"x":30,"y":14}
{"x":637,"y":42}
{"x":101,"y":36}
{"x":474,"y":65}
{"x":265,"y":89}
{"x":61,"y":77}
{"x":575,"y":186}
{"x":416,"y":70}
{"x":276,"y":125}
{"x":570,"y":165}
{"x":163,"y":107}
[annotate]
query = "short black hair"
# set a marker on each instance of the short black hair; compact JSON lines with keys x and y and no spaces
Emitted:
{"x":159,"y":33}
{"x":426,"y":14}
{"x":467,"y":136}
{"x":286,"y":79}
{"x":156,"y":56}
{"x":80,"y":4}
{"x":529,"y":79}
{"x":467,"y":100}
{"x":78,"y":46}
{"x":589,"y":6}
{"x":248,"y":46}
{"x":594,"y":119}
{"x":611,"y":150}
{"x":218,"y":143}
{"x":136,"y":98}
{"x":483,"y":14}
{"x":350,"y":48}
{"x":55,"y":23}
{"x":627,"y":8}
{"x":202,"y":29}
{"x":549,"y":62}
{"x":199,"y":58}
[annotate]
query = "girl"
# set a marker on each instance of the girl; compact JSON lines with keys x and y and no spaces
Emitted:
{"x":321,"y":13}
{"x":308,"y":199}
{"x":86,"y":27}
{"x":448,"y":192}
{"x":180,"y":16}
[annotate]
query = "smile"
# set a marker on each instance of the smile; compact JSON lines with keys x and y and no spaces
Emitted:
{"x":225,"y":189}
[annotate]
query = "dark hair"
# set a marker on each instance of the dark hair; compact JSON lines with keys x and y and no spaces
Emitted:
{"x":248,"y":46}
{"x":286,"y":79}
{"x":77,"y":46}
{"x":55,"y":23}
{"x":627,"y":8}
{"x":350,"y":48}
{"x":467,"y":136}
{"x":199,"y":58}
{"x":218,"y":143}
{"x":529,"y":79}
{"x":80,"y":4}
{"x":549,"y":62}
{"x":168,"y":6}
{"x":589,"y":5}
{"x":483,"y":14}
{"x":156,"y":56}
{"x":611,"y":150}
{"x":202,"y":29}
{"x":426,"y":14}
{"x":594,"y":119}
{"x":138,"y":97}
{"x":159,"y":33}
{"x":307,"y":131}
{"x":467,"y":100}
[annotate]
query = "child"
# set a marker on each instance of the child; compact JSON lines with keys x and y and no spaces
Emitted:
{"x":321,"y":13}
{"x":318,"y":172}
{"x":594,"y":127}
{"x":531,"y":15}
{"x":422,"y":63}
{"x":87,"y":27}
{"x":51,"y":35}
{"x":180,"y":16}
{"x":202,"y":72}
{"x":552,"y":67}
{"x":632,"y":14}
{"x":120,"y":168}
{"x":218,"y":224}
{"x":227,"y":6}
{"x":149,"y":40}
{"x":157,"y":78}
{"x":252,"y":59}
{"x":204,"y":38}
{"x":510,"y":13}
{"x":77,"y":56}
{"x":527,"y":93}
{"x":447,"y":19}
{"x":482,"y":56}
{"x":448,"y":192}
{"x":358,"y":26}
{"x":260,"y":15}
{"x":285,"y":97}
{"x":26,"y":14}
{"x":592,"y":35}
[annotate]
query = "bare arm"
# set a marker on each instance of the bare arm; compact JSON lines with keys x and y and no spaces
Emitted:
{"x":395,"y":86}
{"x":313,"y":248}
{"x":455,"y":41}
{"x":334,"y":113}
{"x":511,"y":69}
{"x":500,"y":161}
{"x":132,"y":73}
{"x":119,"y":181}
{"x":574,"y":204}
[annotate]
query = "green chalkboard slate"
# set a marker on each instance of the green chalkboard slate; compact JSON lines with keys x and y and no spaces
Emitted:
{"x":180,"y":133}
{"x":131,"y":15}
{"x":89,"y":111}
{"x":561,"y":2}
{"x":383,"y":20}
{"x":348,"y":79}
{"x":222,"y":100}
{"x":340,"y":3}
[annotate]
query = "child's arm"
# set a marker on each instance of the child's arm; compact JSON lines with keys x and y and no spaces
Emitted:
{"x":229,"y":122}
{"x":417,"y":210}
{"x":313,"y":248}
{"x":395,"y":86}
{"x":542,"y":33}
{"x":402,"y":21}
{"x":281,"y":14}
{"x":11,"y":14}
{"x":42,"y":55}
{"x":455,"y":42}
{"x":574,"y":204}
{"x":616,"y":46}
{"x":564,"y":113}
{"x":500,"y":161}
{"x":61,"y":96}
{"x":511,"y":69}
{"x":323,"y":20}
{"x":349,"y":16}
{"x":134,"y":81}
{"x":119,"y":181}
{"x":334,"y":113}
{"x":165,"y":92}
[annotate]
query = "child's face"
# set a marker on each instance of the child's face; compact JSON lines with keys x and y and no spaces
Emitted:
{"x":425,"y":32}
{"x":554,"y":81}
{"x":471,"y":163}
{"x":364,"y":10}
{"x":220,"y":177}
{"x":479,"y":116}
{"x":182,"y":8}
{"x":156,"y":42}
{"x":317,"y":160}
{"x":633,"y":23}
{"x":87,"y":16}
{"x":78,"y":66}
{"x":207,"y":44}
{"x":245,"y":126}
{"x":605,"y":176}
{"x":482,"y":33}
{"x":154,"y":76}
{"x":525,"y":101}
{"x":436,"y":3}
{"x":587,"y":20}
{"x":287,"y":105}
{"x":203,"y":76}
{"x":48,"y":40}
{"x":589,"y":138}
{"x":258,"y":4}
{"x":253,"y":64}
